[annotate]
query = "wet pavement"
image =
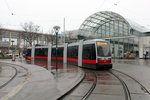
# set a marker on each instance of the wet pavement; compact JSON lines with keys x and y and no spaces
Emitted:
{"x":43,"y":84}
{"x":136,"y":90}
{"x":6,"y":74}
{"x":139,"y":69}
{"x":83,"y":89}
{"x":16,"y":78}
{"x":108,"y":87}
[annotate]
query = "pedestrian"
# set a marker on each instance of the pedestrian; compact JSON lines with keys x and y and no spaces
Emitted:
{"x":146,"y":54}
{"x":19,"y":53}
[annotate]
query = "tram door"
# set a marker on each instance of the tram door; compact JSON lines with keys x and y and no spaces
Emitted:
{"x":89,"y":56}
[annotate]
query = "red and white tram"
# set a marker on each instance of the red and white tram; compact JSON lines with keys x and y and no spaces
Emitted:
{"x":93,"y":54}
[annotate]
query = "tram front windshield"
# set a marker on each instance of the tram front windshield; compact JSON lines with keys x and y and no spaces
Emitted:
{"x":103,"y":49}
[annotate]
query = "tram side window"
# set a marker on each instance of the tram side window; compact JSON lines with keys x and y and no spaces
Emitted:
{"x":53,"y":52}
{"x":45,"y":51}
{"x":89,"y":51}
{"x":72,"y":52}
{"x":28,"y":52}
{"x":41,"y":52}
{"x":60,"y":52}
{"x":37,"y":52}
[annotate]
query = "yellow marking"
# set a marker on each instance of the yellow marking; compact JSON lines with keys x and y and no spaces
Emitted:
{"x":16,"y":89}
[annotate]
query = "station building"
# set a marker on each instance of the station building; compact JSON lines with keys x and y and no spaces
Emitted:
{"x":128,"y":39}
{"x":18,"y":36}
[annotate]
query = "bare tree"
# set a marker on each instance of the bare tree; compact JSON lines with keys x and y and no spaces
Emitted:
{"x":50,"y":37}
{"x":69,"y":36}
{"x":1,"y":31}
{"x":30,"y":29}
{"x":1,"y":26}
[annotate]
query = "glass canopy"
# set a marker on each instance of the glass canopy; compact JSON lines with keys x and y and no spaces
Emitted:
{"x":121,"y":32}
{"x":109,"y":24}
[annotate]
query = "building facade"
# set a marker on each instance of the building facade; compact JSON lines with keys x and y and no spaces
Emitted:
{"x":19,"y":40}
{"x":128,"y":39}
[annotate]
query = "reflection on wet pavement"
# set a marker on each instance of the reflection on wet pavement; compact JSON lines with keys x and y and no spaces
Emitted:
{"x":144,"y":62}
{"x":137,"y":91}
{"x":108,"y":87}
{"x":83,"y":88}
{"x":65,"y":77}
{"x":45,"y":64}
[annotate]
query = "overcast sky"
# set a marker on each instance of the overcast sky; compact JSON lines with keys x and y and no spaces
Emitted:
{"x":48,"y":13}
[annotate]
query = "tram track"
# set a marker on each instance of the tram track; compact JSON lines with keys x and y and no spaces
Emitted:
{"x":143,"y":88}
{"x":133,"y":87}
{"x":14,"y":84}
{"x":108,"y":83}
{"x":89,"y":82}
{"x":112,"y":85}
{"x":126,"y":90}
{"x":16,"y":70}
{"x":11,"y":77}
{"x":91,"y":89}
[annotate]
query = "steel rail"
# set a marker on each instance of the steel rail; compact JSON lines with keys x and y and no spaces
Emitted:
{"x":87,"y":93}
{"x":126,"y":90}
{"x":91,"y":89}
{"x":16,"y":72}
{"x":61,"y":97}
{"x":133,"y":79}
{"x":10,"y":78}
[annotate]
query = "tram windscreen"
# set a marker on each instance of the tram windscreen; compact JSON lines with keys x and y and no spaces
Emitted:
{"x":103,"y":49}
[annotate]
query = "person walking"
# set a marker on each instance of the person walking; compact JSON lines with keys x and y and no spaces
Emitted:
{"x":146,"y":54}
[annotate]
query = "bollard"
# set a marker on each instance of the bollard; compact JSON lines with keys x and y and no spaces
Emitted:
{"x":13,"y":57}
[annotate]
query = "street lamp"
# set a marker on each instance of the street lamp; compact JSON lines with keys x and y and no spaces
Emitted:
{"x":13,"y":58}
{"x":56,"y":29}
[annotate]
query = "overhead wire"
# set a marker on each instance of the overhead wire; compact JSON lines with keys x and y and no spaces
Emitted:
{"x":12,"y":13}
{"x":9,"y":7}
{"x":102,"y":4}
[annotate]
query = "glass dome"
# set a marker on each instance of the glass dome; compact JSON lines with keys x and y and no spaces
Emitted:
{"x":108,"y":24}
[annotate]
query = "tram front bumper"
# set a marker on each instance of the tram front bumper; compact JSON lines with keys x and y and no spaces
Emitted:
{"x":103,"y":66}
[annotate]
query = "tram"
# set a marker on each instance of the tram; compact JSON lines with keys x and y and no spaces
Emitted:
{"x":94,"y":54}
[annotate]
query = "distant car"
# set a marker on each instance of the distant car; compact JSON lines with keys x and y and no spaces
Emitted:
{"x":10,"y":54}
